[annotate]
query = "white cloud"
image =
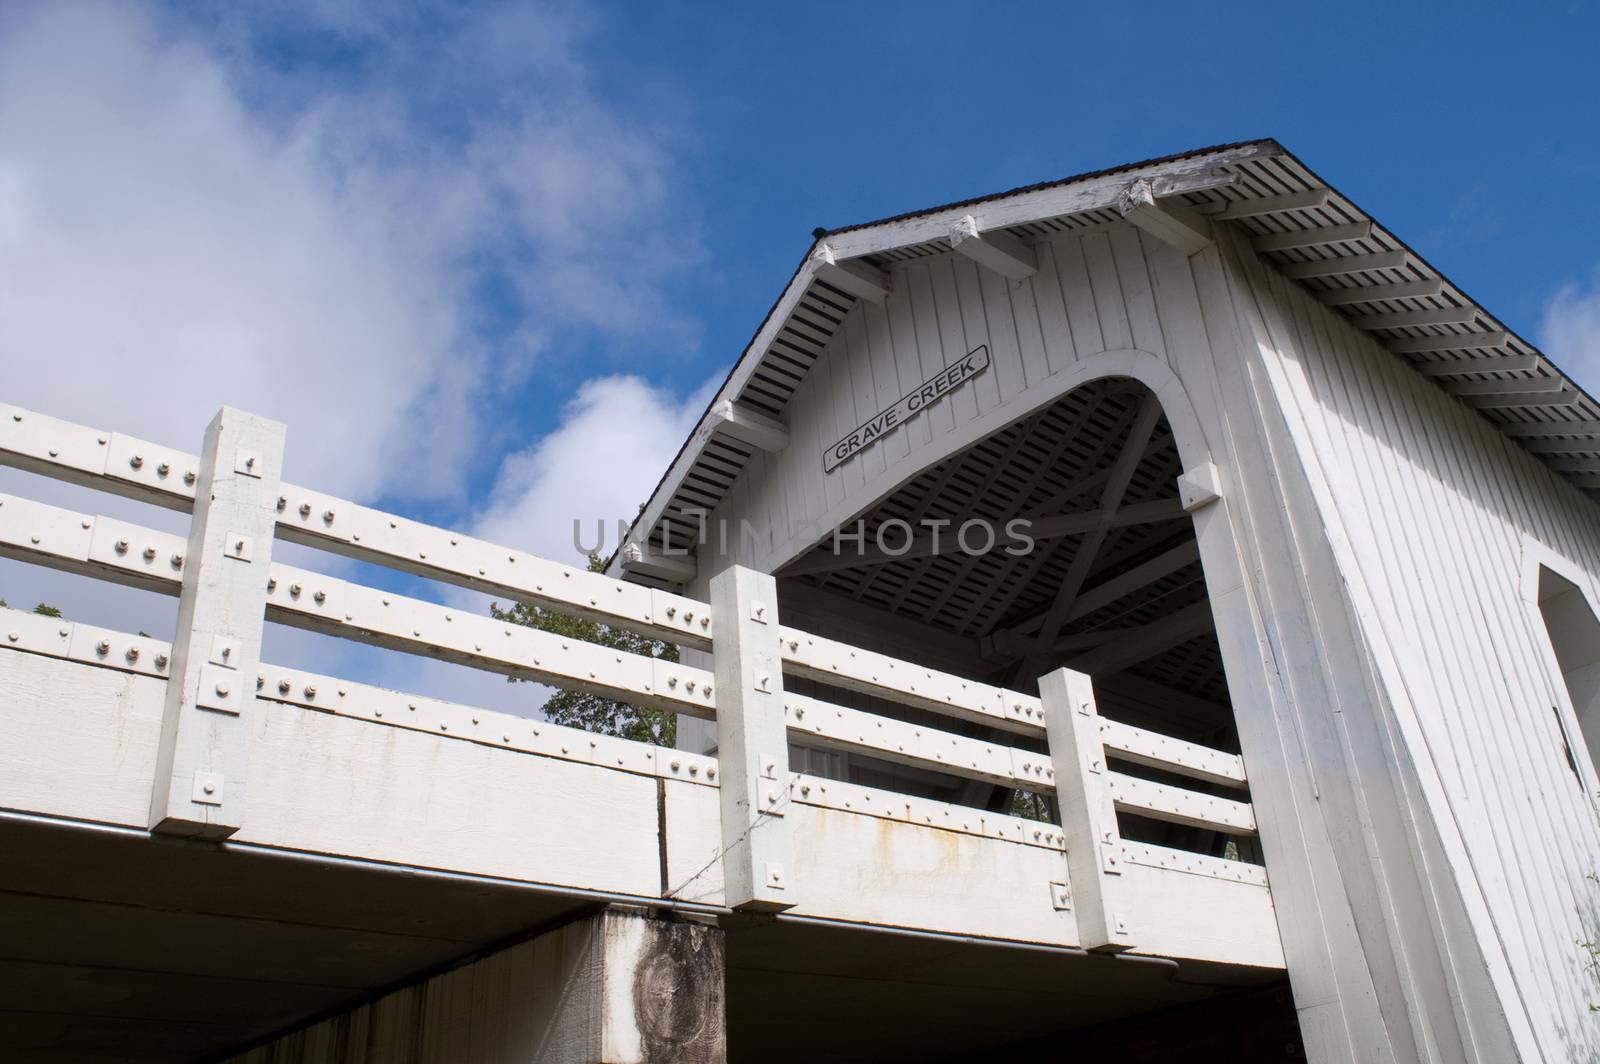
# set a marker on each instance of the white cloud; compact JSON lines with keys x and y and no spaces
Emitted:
{"x":616,"y":438}
{"x":188,"y":220}
{"x":1570,"y":331}
{"x":182,"y":226}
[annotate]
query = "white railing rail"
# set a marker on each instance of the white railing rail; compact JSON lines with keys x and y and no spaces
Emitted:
{"x":224,"y":576}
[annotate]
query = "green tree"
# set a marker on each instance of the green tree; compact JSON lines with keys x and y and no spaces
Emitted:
{"x":595,"y":713}
{"x":41,"y":609}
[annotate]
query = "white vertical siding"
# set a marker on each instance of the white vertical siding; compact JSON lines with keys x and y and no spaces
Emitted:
{"x":1425,"y":838}
{"x":1433,"y":508}
{"x":941,"y":308}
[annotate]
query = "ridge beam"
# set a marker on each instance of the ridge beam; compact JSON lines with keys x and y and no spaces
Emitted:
{"x":997,"y":250}
{"x":1173,"y":224}
{"x":855,"y":278}
{"x":740,"y":422}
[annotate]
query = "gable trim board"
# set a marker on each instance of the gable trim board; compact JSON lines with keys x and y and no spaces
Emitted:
{"x":1308,"y":230}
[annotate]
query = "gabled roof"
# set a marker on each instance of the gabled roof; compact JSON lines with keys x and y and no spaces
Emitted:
{"x":1295,"y":219}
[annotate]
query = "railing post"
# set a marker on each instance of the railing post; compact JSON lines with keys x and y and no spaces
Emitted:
{"x":752,"y":740}
{"x":1088,"y":818}
{"x":200,"y":763}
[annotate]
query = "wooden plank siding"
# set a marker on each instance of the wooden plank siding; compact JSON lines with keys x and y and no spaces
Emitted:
{"x":1431,"y":511}
{"x":1427,"y":845}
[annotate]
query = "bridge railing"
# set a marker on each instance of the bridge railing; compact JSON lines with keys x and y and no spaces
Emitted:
{"x":227,"y":583}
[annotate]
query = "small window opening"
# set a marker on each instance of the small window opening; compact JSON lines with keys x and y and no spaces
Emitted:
{"x":1575,"y":637}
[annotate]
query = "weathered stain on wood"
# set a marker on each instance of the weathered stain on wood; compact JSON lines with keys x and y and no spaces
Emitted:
{"x":678,"y":993}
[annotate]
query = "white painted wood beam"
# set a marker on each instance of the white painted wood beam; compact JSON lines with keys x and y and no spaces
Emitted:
{"x":1591,"y":445}
{"x":1575,"y":465}
{"x":1070,"y":197}
{"x":739,"y":421}
{"x":1512,"y":400}
{"x":997,"y":250}
{"x":1525,"y":385}
{"x":1477,"y":341}
{"x":1373,"y":293}
{"x":1100,"y":898}
{"x":1310,"y":238}
{"x":1254,"y":208}
{"x":1042,"y":528}
{"x":640,"y":558}
{"x":1480,"y":364}
{"x":1200,"y":486}
{"x":1116,"y":489}
{"x":752,"y":741}
{"x":856,"y":278}
{"x":1401,"y":319}
{"x":1154,"y":638}
{"x":202,"y":761}
{"x":1118,"y":587}
{"x":811,"y":607}
{"x":1174,"y":805}
{"x":1589,"y":430}
{"x":1383,"y":260}
{"x":1171,"y":223}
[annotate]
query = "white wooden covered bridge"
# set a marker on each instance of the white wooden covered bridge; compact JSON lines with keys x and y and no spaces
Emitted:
{"x":1183,"y":497}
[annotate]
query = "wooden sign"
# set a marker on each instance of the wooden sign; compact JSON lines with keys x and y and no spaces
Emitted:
{"x":887,"y":420}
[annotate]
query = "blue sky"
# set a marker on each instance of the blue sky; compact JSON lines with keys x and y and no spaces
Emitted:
{"x":486,"y":260}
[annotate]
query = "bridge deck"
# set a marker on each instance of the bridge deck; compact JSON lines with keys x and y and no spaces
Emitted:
{"x":368,"y":836}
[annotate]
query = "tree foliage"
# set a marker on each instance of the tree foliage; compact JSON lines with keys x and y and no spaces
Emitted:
{"x":42,"y":609}
{"x":591,"y":712}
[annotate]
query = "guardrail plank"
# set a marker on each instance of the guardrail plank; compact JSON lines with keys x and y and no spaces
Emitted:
{"x":327,"y":604}
{"x":836,"y":727}
{"x":837,"y":664}
{"x":1178,"y":806}
{"x":1155,"y":750}
{"x":143,"y":557}
{"x":125,"y":465}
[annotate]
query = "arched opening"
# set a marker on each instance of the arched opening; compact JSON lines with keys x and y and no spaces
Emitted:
{"x":1574,"y":635}
{"x":1111,"y":584}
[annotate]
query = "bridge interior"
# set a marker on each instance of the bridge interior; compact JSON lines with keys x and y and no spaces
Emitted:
{"x":1113,"y":585}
